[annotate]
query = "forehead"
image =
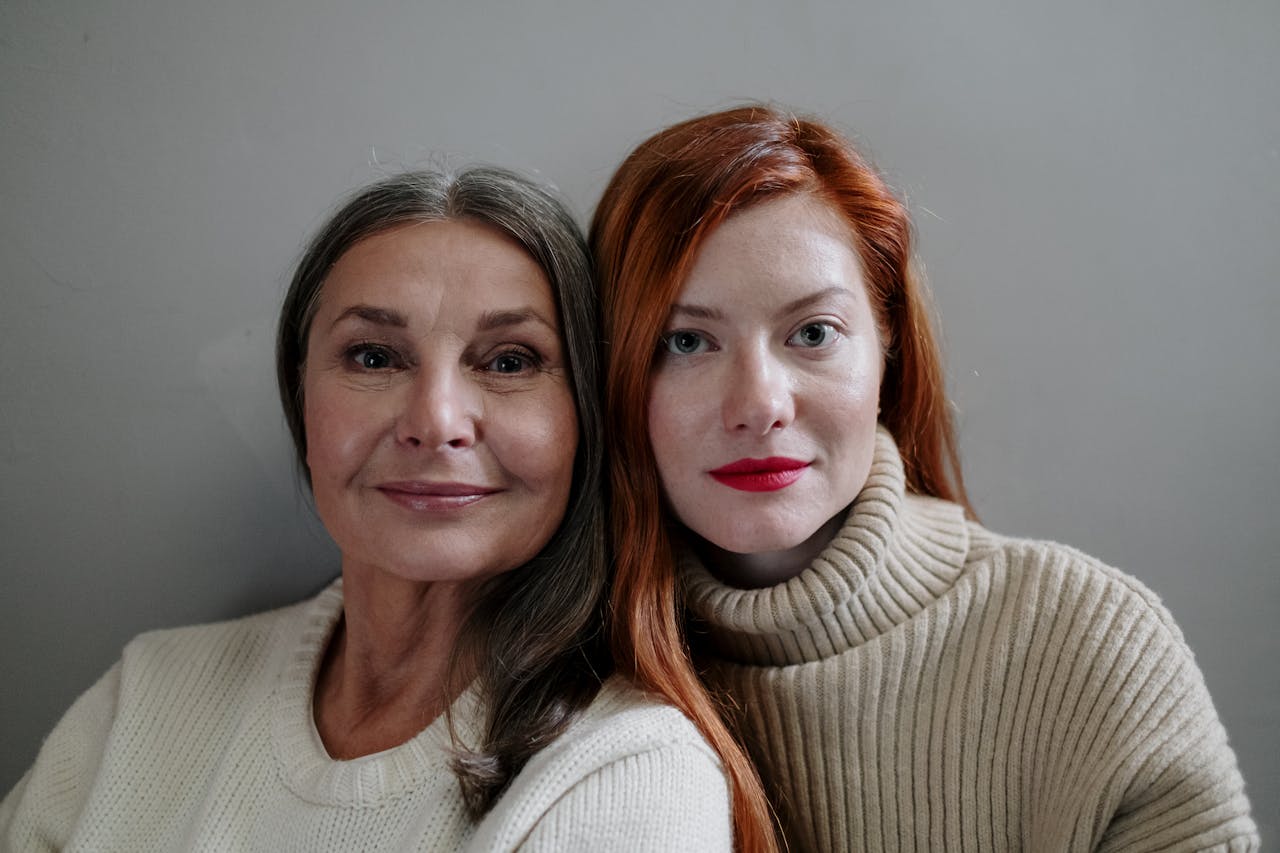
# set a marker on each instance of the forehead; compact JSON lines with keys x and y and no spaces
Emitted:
{"x":779,"y":247}
{"x":447,"y":262}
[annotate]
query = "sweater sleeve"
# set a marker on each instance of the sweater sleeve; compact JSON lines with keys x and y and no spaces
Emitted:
{"x":665,"y":799}
{"x":1185,"y":791}
{"x":43,"y":808}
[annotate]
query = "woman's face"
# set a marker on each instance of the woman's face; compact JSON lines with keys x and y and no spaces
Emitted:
{"x":765,"y":391}
{"x":439,"y":417}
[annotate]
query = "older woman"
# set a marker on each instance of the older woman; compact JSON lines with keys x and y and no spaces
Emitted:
{"x":438,"y":371}
{"x":904,"y":678}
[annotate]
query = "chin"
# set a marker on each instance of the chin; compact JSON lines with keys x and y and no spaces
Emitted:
{"x":747,"y":535}
{"x":757,"y":540}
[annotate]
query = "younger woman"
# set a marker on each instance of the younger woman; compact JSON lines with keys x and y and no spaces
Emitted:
{"x":904,"y":678}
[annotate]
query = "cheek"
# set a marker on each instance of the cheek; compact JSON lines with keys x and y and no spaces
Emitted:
{"x":338,"y":434}
{"x":845,"y":419}
{"x":540,"y":440}
{"x":859,"y":392}
{"x":673,"y":421}
{"x":851,"y":390}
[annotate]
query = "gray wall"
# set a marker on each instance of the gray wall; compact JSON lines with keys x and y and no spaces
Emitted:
{"x":1097,"y":189}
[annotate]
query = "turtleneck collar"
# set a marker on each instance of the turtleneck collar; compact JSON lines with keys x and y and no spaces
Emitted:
{"x":895,"y":553}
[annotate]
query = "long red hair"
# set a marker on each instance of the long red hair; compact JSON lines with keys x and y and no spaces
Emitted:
{"x":661,"y":204}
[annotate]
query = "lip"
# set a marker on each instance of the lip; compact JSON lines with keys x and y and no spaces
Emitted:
{"x":427,"y":496}
{"x":760,"y":475}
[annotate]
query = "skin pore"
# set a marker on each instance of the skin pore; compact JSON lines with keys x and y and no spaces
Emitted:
{"x":441,"y":434}
{"x":764,"y":396}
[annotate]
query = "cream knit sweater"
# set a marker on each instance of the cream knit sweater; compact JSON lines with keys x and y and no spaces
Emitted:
{"x":928,"y":685}
{"x":202,"y":739}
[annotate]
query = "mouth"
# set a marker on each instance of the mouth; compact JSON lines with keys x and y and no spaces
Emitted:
{"x":760,"y":475}
{"x":424,"y":496}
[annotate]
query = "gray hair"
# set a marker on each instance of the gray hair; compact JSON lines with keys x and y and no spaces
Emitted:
{"x":535,"y":633}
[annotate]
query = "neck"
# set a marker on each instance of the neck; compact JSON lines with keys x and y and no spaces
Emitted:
{"x":766,"y":568}
{"x":385,"y":674}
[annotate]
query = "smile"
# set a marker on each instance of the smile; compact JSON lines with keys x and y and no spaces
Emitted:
{"x":435,"y":497}
{"x":760,"y":475}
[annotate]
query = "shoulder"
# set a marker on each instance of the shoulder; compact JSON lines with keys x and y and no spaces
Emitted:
{"x":635,"y":721}
{"x":1098,"y":649}
{"x":170,"y":646}
{"x":213,"y":652}
{"x":626,"y":727}
{"x":1055,"y":576}
{"x":631,"y":772}
{"x":167,"y":685}
{"x":42,"y":809}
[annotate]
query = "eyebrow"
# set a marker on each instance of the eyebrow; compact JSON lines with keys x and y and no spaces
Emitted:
{"x":702,"y":312}
{"x":815,"y":297}
{"x":491,"y":320}
{"x":698,"y":312}
{"x":377,"y":316}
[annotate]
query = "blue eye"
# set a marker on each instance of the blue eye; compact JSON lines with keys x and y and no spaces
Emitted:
{"x":373,"y":358}
{"x":685,"y":342}
{"x":813,"y":335}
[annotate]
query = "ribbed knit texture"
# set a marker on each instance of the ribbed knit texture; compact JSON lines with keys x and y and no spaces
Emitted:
{"x":203,"y":739}
{"x":928,"y":685}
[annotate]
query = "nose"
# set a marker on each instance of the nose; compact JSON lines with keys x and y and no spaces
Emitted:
{"x":758,"y":397}
{"x":441,"y":409}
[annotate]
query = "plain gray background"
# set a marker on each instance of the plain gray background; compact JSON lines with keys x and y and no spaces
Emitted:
{"x":1096,"y":187}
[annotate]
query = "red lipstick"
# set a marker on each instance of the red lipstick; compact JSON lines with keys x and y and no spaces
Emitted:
{"x":434,"y":497}
{"x":760,"y":475}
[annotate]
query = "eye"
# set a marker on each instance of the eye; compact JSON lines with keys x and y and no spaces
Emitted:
{"x":511,"y":362}
{"x":813,"y":335}
{"x":373,"y":358}
{"x":685,"y":342}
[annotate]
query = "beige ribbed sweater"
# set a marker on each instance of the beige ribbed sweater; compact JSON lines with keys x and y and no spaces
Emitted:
{"x":202,"y":739}
{"x":928,"y":685}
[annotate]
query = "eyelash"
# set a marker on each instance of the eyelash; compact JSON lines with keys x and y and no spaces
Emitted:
{"x":833,"y":333}
{"x":530,"y":360}
{"x":666,"y":343}
{"x":355,"y":351}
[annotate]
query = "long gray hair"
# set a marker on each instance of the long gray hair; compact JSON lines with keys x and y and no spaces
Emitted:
{"x":534,"y":634}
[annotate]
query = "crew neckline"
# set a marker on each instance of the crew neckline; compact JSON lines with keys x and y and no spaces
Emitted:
{"x":308,"y":769}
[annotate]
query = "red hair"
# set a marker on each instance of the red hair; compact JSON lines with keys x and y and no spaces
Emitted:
{"x":659,"y":207}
